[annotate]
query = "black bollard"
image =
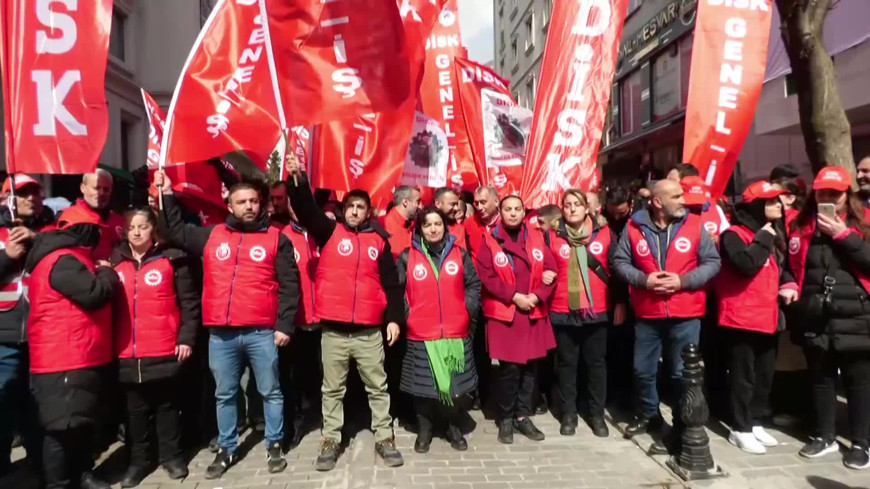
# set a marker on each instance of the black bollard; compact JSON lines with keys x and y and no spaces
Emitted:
{"x":694,"y":461}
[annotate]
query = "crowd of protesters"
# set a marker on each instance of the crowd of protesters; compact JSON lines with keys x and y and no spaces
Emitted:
{"x":142,"y":324}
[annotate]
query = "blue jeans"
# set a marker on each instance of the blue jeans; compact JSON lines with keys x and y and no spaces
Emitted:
{"x":227,"y":350}
{"x":651,"y":335}
{"x":17,"y":409}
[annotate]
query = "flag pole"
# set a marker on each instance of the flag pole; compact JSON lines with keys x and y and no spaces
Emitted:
{"x":273,"y":72}
{"x":10,"y":201}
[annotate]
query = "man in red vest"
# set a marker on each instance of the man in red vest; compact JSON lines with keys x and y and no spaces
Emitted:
{"x":484,"y":219}
{"x":667,"y":259}
{"x":357,"y":290}
{"x":96,"y":191}
{"x":399,"y":222}
{"x":447,"y":201}
{"x":249,"y":301}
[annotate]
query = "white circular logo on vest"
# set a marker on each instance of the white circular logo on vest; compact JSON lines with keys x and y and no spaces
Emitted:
{"x":565,"y":251}
{"x":683,"y":245}
{"x":451,"y":267}
{"x":345,"y":247}
{"x":711,"y":226}
{"x":642,"y":248}
{"x":501,"y":259}
{"x":373,"y":253}
{"x":258,"y":253}
{"x":296,"y":255}
{"x":596,"y":248}
{"x":153,"y":278}
{"x":419,"y":272}
{"x":223,"y":251}
{"x":538,"y":254}
{"x":794,"y":245}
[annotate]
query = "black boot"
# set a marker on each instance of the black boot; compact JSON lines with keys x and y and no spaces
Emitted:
{"x":88,"y":481}
{"x":134,"y":476}
{"x":506,"y":431}
{"x":599,"y":426}
{"x":176,"y":468}
{"x":424,"y":434}
{"x":529,"y":429}
{"x":568,"y":427}
{"x":643,"y":425}
{"x":457,"y":441}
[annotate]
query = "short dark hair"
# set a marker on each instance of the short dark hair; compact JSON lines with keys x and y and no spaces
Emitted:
{"x":357,"y":194}
{"x":786,"y":170}
{"x":685,"y":170}
{"x":401,"y":193}
{"x":617,"y":195}
{"x":245,"y":186}
{"x":421,"y":218}
{"x":441,"y":192}
{"x":278,"y":184}
{"x":549,"y":212}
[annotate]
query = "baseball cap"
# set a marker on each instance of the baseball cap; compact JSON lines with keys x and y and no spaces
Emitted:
{"x":694,"y":190}
{"x":833,"y":178}
{"x":78,"y":214}
{"x":761,"y":190}
{"x":21,"y":181}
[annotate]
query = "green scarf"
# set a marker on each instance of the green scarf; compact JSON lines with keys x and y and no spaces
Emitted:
{"x":446,"y":355}
{"x":579,"y":292}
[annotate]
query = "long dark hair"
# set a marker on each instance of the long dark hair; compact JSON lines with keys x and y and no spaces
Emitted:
{"x":752,"y":216}
{"x":421,"y":220}
{"x":854,"y":213}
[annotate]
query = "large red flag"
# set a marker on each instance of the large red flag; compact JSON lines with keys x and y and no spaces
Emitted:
{"x":497,"y":127}
{"x":438,"y":98}
{"x":53,"y":57}
{"x":571,"y":103}
{"x":198,"y":187}
{"x":729,"y":56}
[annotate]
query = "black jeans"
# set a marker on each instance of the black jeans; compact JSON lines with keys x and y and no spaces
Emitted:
{"x":589,"y":343}
{"x":482,"y":361}
{"x":855,"y":366}
{"x":301,"y":379}
{"x":433,"y":415}
{"x":160,"y":399}
{"x":516,"y":388}
{"x":66,"y":455}
{"x":751,"y":362}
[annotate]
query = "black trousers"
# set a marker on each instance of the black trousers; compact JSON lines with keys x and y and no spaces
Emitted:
{"x":159,"y":400}
{"x":620,"y":363}
{"x":516,"y":388}
{"x":301,"y":379}
{"x":66,"y":455}
{"x":751,"y":363}
{"x":433,"y":415}
{"x":482,"y":361}
{"x":587,"y":343}
{"x":544,"y":374}
{"x":855,"y":367}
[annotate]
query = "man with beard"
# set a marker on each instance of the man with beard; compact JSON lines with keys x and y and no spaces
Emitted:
{"x":399,"y":221}
{"x":863,"y":177}
{"x":666,"y":259}
{"x":280,"y":216}
{"x":617,"y":207}
{"x":484,"y":219}
{"x":447,"y":201}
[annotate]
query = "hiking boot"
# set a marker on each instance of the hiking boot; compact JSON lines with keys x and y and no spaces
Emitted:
{"x":176,"y":468}
{"x":386,"y":449}
{"x":599,"y":427}
{"x":221,"y":463}
{"x":643,"y":425}
{"x":857,"y":457}
{"x":329,"y":452}
{"x":568,"y":426}
{"x":529,"y":429}
{"x":819,"y":447}
{"x":506,"y":431}
{"x":275,"y":458}
{"x":457,"y":441}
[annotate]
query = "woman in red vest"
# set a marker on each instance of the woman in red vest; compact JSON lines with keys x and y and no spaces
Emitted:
{"x":442,"y":296}
{"x":752,"y":252}
{"x":511,"y":263}
{"x":581,"y":307}
{"x":156,"y":317}
{"x":829,"y":271}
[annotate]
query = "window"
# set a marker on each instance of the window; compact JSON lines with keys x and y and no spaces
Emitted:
{"x":630,"y":107}
{"x":547,"y":12}
{"x":501,"y":66}
{"x":666,"y":81}
{"x":501,"y":39}
{"x":530,"y":32}
{"x":633,"y":5}
{"x":126,"y":135}
{"x":789,"y":85}
{"x":530,"y":92}
{"x":117,"y":44}
{"x":514,"y":50}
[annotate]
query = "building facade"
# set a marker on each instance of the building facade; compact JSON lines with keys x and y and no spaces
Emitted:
{"x":520,"y":29}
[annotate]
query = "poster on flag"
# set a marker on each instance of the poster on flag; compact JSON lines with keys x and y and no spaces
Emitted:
{"x":573,"y":96}
{"x":427,"y":156}
{"x":729,"y":56}
{"x":53,"y":57}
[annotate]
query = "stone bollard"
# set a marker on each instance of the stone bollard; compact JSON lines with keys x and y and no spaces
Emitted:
{"x":694,"y":461}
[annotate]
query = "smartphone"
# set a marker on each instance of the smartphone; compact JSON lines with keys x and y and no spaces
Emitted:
{"x":828,"y":210}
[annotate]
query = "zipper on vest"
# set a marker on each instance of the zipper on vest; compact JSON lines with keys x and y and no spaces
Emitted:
{"x":440,"y":305}
{"x":310,"y":282}
{"x":355,"y":278}
{"x":139,"y":368}
{"x":233,"y":281}
{"x":135,"y":296}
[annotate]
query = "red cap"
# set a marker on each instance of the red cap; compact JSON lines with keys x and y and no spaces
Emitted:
{"x":78,"y":214}
{"x":21,"y":180}
{"x":694,"y":190}
{"x":761,"y":190}
{"x":833,"y":178}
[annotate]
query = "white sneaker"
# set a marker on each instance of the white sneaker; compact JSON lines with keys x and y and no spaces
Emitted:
{"x":746,"y":442}
{"x":764,"y":437}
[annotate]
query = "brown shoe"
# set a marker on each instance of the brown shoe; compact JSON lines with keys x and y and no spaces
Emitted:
{"x":387,"y":451}
{"x":329,"y":452}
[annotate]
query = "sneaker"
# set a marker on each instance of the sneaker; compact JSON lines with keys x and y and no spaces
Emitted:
{"x":387,"y":451}
{"x":221,"y":463}
{"x":746,"y":442}
{"x":599,"y":427}
{"x":176,"y":468}
{"x":764,"y":437}
{"x":819,"y":447}
{"x":568,"y":426}
{"x":643,"y":425}
{"x":857,"y":457}
{"x":506,"y":431}
{"x":275,"y":458}
{"x":329,"y":452}
{"x":529,"y":429}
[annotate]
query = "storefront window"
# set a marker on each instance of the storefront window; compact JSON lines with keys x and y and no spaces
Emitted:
{"x":685,"y":66}
{"x":666,"y":84}
{"x":630,"y":108}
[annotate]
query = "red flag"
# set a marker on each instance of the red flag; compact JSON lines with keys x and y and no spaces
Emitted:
{"x":156,"y":119}
{"x":497,"y":127}
{"x":438,"y":95}
{"x":571,"y":104}
{"x":198,"y":187}
{"x":53,"y":57}
{"x":427,"y":155}
{"x":224,"y":100}
{"x":729,"y":56}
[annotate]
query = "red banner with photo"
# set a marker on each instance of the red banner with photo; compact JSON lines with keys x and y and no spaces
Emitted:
{"x":729,"y":55}
{"x":572,"y":99}
{"x":53,"y":56}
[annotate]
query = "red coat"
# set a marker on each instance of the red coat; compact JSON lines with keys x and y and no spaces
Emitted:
{"x":561,"y":250}
{"x":148,"y":316}
{"x":111,"y":233}
{"x":399,"y":229}
{"x":458,"y":232}
{"x":748,"y":303}
{"x":61,"y":335}
{"x":240,"y":286}
{"x":475,"y":230}
{"x":307,"y":256}
{"x":436,"y":307}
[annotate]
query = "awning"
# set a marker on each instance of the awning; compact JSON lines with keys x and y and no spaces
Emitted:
{"x":119,"y":174}
{"x":642,"y":134}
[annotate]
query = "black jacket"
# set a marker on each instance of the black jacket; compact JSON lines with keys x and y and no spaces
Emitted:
{"x":138,"y":370}
{"x":194,"y":238}
{"x":321,"y":227}
{"x":13,"y":322}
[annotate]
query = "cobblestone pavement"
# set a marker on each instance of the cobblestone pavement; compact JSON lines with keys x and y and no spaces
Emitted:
{"x":581,"y":461}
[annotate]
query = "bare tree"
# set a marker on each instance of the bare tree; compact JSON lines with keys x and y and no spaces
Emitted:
{"x":826,"y":130}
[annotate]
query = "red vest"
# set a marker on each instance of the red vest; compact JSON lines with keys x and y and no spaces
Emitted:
{"x":307,"y":256}
{"x":147,"y":316}
{"x":63,"y":336}
{"x":682,"y":256}
{"x":111,"y":233}
{"x":748,"y":302}
{"x":535,"y":245}
{"x":436,"y":306}
{"x":598,"y":247}
{"x":240,"y":287}
{"x":347,"y":286}
{"x":400,"y":236}
{"x":13,"y":288}
{"x":475,"y":231}
{"x":799,"y":245}
{"x":458,"y":232}
{"x":711,"y":219}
